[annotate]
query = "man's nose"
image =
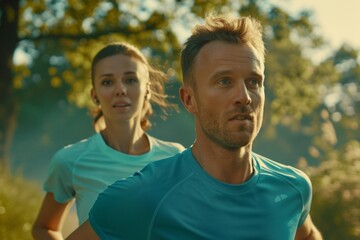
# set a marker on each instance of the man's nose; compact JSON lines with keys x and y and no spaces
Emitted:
{"x":242,"y":94}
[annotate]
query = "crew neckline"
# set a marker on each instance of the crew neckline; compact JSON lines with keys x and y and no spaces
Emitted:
{"x":109,"y":150}
{"x":219,"y":185}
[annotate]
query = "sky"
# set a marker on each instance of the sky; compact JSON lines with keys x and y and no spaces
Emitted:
{"x":338,"y":20}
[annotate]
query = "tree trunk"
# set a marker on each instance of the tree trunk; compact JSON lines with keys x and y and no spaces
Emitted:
{"x":9,"y":12}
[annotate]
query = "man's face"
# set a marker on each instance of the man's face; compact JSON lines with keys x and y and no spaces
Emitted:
{"x":228,"y":97}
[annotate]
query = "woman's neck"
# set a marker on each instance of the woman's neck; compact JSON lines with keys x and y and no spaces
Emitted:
{"x":128,"y":139}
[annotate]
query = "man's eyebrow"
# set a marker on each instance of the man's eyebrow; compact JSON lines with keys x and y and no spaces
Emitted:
{"x":256,"y":74}
{"x":228,"y":72}
{"x":221,"y":73}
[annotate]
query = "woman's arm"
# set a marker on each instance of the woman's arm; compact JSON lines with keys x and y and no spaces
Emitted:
{"x":85,"y":231}
{"x":50,"y":219}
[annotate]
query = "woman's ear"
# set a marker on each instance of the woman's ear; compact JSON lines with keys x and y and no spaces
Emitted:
{"x":148,"y":91}
{"x":147,"y":95}
{"x":94,"y":97}
{"x":188,"y":99}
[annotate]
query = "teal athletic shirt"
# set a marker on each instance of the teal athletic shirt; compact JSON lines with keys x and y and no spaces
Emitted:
{"x":176,"y":199}
{"x":84,"y":169}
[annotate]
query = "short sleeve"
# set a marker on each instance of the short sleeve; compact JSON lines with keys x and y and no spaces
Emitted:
{"x":107,"y":216}
{"x":109,"y":213}
{"x":306,"y":191}
{"x":59,"y":177}
{"x":115,"y":214}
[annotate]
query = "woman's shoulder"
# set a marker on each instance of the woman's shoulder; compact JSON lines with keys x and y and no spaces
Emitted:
{"x":164,"y":145}
{"x":72,"y":151}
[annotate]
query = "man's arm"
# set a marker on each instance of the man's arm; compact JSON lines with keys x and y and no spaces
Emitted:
{"x":85,"y":231}
{"x":308,"y":231}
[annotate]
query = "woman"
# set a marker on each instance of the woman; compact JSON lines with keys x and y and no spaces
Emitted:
{"x":124,"y":84}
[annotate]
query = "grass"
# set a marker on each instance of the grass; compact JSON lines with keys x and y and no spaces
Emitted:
{"x":20,"y":200}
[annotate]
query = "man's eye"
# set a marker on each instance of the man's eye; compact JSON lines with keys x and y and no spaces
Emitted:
{"x":224,"y":82}
{"x":255,"y":83}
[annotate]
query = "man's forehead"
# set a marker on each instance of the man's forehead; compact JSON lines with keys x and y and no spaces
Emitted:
{"x":220,"y":52}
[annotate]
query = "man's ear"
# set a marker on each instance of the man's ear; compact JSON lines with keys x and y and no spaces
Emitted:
{"x":94,"y":97}
{"x":188,"y":99}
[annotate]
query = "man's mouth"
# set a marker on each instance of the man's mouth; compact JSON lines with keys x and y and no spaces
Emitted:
{"x":242,"y":117}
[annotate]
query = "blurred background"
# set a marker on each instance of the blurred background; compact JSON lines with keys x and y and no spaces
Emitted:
{"x":312,"y":91}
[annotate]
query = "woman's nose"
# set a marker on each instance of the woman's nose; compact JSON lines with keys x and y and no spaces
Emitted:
{"x":120,"y":89}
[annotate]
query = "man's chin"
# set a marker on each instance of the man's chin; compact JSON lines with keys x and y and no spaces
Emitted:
{"x":234,"y":144}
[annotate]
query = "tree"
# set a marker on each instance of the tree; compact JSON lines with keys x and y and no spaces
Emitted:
{"x":60,"y":38}
{"x":77,"y":29}
{"x":336,"y":203}
{"x":9,"y":12}
{"x":71,"y":26}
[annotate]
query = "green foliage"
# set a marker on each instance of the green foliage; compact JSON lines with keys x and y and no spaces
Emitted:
{"x":290,"y":77}
{"x":312,"y":109}
{"x":336,"y":202}
{"x":81,"y":28}
{"x":19,"y":202}
{"x":202,"y":7}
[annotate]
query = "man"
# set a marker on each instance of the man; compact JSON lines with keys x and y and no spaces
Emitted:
{"x":218,"y":188}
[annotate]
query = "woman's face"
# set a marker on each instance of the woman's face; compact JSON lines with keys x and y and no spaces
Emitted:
{"x":120,"y":86}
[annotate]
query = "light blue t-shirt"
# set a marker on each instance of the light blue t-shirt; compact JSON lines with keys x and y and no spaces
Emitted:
{"x":176,"y":199}
{"x":85,"y":169}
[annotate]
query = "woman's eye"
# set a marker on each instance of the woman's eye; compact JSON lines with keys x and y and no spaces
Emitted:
{"x":131,"y":80}
{"x":106,"y":82}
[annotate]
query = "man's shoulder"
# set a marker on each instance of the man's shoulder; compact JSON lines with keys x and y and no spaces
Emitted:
{"x":142,"y":191}
{"x":129,"y":206}
{"x":288,"y":173}
{"x":168,"y":167}
{"x":158,"y":175}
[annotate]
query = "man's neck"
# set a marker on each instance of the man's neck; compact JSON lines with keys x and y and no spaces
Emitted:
{"x":233,"y":166}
